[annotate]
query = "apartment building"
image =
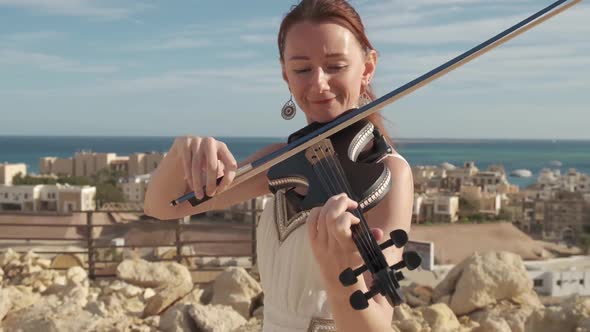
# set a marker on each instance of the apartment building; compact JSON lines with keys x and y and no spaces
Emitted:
{"x":435,"y":208}
{"x":47,"y":198}
{"x":87,"y":163}
{"x":134,"y":187}
{"x":485,"y":202}
{"x":8,"y":171}
{"x":565,"y":216}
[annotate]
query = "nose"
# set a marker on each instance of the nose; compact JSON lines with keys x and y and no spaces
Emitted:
{"x":320,"y":80}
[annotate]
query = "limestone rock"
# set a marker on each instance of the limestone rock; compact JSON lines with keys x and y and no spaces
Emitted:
{"x":215,"y":318}
{"x":440,"y":318}
{"x":236,"y":288}
{"x":74,"y":287}
{"x":177,"y":319}
{"x":50,"y":314}
{"x":8,"y":256}
{"x":77,"y":276}
{"x":195,"y":296}
{"x":493,"y":325}
{"x":484,"y":279}
{"x":147,"y":294}
{"x":253,"y":325}
{"x":21,"y":296}
{"x":152,"y":321}
{"x":503,"y":314}
{"x":144,"y":274}
{"x":5,"y":303}
{"x":407,"y":320}
{"x":170,"y":292}
{"x":97,"y":308}
{"x":172,"y":281}
{"x":417,"y":296}
{"x":572,"y":315}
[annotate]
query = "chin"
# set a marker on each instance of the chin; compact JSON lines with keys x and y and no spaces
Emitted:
{"x":324,"y":116}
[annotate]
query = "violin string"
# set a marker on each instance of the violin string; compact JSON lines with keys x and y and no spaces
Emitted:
{"x":364,"y":232}
{"x":323,"y":174}
{"x":343,"y":186}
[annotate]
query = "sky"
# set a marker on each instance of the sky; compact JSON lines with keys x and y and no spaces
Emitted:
{"x":211,"y":68}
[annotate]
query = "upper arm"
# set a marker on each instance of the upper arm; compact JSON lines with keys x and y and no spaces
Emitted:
{"x":393,"y":212}
{"x":395,"y":209}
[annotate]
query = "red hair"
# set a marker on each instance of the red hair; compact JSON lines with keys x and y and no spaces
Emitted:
{"x":340,"y":12}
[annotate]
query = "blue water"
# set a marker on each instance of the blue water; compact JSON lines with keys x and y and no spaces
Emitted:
{"x":513,"y":154}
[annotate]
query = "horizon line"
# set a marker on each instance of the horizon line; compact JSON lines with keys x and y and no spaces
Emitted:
{"x":282,"y":138}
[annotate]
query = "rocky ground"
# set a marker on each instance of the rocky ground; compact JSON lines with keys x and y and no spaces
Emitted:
{"x":485,"y":292}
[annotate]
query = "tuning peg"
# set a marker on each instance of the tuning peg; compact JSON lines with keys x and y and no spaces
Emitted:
{"x":399,"y":276}
{"x":398,"y":237}
{"x":348,"y":276}
{"x":360,"y":300}
{"x":410,"y":259}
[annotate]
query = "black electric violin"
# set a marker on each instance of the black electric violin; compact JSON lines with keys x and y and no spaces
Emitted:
{"x":348,"y":162}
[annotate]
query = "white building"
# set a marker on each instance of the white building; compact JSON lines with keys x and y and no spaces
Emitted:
{"x":134,"y":187}
{"x":550,"y":181}
{"x":561,"y":276}
{"x":8,"y":171}
{"x":47,"y":198}
{"x":435,"y":208}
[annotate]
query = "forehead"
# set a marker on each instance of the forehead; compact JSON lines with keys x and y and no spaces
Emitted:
{"x":307,"y":38}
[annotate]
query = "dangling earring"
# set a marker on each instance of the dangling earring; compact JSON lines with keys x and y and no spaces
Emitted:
{"x":289,"y":109}
{"x":364,"y":99}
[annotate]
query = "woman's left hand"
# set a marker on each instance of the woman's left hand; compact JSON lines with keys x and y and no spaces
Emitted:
{"x":329,"y":230}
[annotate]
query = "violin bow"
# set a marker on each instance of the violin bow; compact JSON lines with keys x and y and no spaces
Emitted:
{"x":262,"y":164}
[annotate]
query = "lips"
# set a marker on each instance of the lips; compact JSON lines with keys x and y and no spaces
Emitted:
{"x":323,"y":101}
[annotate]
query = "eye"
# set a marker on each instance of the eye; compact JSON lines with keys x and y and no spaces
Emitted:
{"x":336,"y":68}
{"x":302,"y":70}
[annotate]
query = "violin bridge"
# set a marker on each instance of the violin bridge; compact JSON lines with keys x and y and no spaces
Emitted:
{"x":320,"y":151}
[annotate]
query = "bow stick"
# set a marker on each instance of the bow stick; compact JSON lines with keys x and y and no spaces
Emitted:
{"x":264,"y":163}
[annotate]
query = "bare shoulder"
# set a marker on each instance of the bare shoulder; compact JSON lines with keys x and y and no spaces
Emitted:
{"x":400,"y":169}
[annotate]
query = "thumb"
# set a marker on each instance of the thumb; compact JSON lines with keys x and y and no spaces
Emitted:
{"x":377,"y":233}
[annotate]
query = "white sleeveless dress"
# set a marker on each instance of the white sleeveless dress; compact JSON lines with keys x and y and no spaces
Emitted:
{"x":294,"y":295}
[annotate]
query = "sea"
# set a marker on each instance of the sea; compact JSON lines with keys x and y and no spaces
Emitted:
{"x":532,"y":155}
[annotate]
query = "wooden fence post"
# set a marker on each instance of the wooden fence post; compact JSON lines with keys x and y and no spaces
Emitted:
{"x":90,"y":246}
{"x":254,"y":219}
{"x":178,"y":240}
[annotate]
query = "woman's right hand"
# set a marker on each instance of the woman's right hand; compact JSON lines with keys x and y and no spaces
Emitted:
{"x":205,"y":159}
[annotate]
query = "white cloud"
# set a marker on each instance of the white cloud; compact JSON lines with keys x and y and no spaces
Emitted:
{"x":176,"y":43}
{"x":84,"y":8}
{"x":50,"y":62}
{"x":398,"y":28}
{"x":240,"y":55}
{"x":258,"y":38}
{"x":32,"y":36}
{"x":256,"y":77}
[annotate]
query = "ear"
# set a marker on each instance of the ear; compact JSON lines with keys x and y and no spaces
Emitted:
{"x":370,"y":65}
{"x":284,"y":72}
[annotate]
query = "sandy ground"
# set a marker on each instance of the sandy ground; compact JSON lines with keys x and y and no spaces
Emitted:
{"x":455,"y":242}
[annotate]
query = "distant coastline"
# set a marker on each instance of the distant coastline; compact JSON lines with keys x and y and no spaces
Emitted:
{"x":513,"y":154}
{"x":400,"y":139}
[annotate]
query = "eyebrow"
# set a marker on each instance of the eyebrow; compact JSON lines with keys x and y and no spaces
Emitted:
{"x":330,"y":55}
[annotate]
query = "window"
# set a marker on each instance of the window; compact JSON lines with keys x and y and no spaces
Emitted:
{"x":558,"y":283}
{"x":538,"y":283}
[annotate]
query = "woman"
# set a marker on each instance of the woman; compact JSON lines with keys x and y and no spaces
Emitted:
{"x":327,"y":63}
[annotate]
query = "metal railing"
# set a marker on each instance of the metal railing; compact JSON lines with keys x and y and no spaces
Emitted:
{"x":95,"y":247}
